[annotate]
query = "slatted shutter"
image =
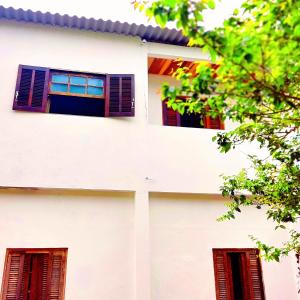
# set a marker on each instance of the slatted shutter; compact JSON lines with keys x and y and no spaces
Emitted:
{"x":44,"y":274}
{"x":12,"y":279}
{"x":31,"y":89}
{"x":57,"y":276}
{"x":213,"y":123}
{"x":223,"y":288}
{"x":120,"y":95}
{"x":34,"y":273}
{"x":170,"y":116}
{"x":25,"y":278}
{"x":255,"y":278}
{"x":251,"y":274}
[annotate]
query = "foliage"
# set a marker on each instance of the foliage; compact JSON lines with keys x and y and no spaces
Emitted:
{"x":252,"y":79}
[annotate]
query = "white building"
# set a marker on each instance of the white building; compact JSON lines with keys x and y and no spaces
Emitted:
{"x":115,"y":205}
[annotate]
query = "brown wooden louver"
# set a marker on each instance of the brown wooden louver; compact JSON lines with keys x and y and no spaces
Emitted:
{"x":31,"y":89}
{"x":255,"y":276}
{"x":223,"y":289}
{"x":32,"y":274}
{"x":213,"y":123}
{"x":120,"y":93}
{"x":251,"y":269}
{"x":172,"y":118}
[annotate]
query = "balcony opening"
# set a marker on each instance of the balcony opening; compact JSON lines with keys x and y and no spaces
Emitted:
{"x":160,"y":70}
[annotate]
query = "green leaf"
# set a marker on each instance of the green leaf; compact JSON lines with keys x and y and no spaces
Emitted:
{"x":161,"y":19}
{"x":170,"y":2}
{"x":297,"y":31}
{"x":211,"y":4}
{"x":235,"y":12}
{"x":174,"y":106}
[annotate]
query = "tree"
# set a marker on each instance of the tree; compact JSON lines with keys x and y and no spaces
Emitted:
{"x":253,"y":79}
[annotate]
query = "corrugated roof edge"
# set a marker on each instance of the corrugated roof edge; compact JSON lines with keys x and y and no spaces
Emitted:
{"x":148,"y":33}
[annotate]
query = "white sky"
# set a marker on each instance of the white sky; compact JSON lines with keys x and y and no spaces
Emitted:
{"x":116,"y":10}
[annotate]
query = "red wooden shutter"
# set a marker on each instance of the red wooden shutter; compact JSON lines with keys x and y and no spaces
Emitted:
{"x":34,"y":273}
{"x":212,"y":123}
{"x":57,"y":275}
{"x":170,"y":116}
{"x":39,"y":275}
{"x":44,"y":273}
{"x":12,"y":278}
{"x":223,"y":288}
{"x":255,"y":278}
{"x":25,"y":277}
{"x":31,"y":89}
{"x":251,"y":274}
{"x":120,"y":95}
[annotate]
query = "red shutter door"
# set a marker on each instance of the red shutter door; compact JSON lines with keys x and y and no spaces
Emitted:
{"x":34,"y":274}
{"x":170,"y":116}
{"x":223,"y":287}
{"x":36,"y":278}
{"x":57,"y":275}
{"x":250,"y":274}
{"x":120,"y":95}
{"x":255,"y":275}
{"x":212,"y":123}
{"x":31,"y":89}
{"x":25,"y":278}
{"x":13,"y":274}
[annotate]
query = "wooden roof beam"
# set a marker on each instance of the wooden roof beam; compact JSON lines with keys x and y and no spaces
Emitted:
{"x":150,"y":62}
{"x":165,"y":67}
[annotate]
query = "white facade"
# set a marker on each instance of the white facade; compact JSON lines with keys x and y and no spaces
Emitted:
{"x":134,"y":202}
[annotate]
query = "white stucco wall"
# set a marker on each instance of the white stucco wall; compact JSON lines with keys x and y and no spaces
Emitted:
{"x":183,"y":232}
{"x":129,"y":154}
{"x":97,"y":228}
{"x":65,"y":151}
{"x":62,"y":150}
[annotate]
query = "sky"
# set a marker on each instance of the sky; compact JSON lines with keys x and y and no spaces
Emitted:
{"x":116,"y":10}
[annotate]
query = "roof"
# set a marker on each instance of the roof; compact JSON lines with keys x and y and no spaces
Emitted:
{"x":148,"y":33}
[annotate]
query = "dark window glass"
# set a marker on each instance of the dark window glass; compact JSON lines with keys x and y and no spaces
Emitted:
{"x":73,"y":105}
{"x":191,"y":120}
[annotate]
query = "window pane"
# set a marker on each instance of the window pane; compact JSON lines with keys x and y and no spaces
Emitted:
{"x":77,"y":89}
{"x":60,"y":78}
{"x":57,"y":87}
{"x":78,"y":80}
{"x":95,"y":82}
{"x":97,"y":91}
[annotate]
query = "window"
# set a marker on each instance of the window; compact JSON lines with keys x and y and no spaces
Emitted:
{"x":34,"y":274}
{"x":195,"y":120}
{"x":65,"y":92}
{"x":77,"y":85}
{"x":238,"y":274}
